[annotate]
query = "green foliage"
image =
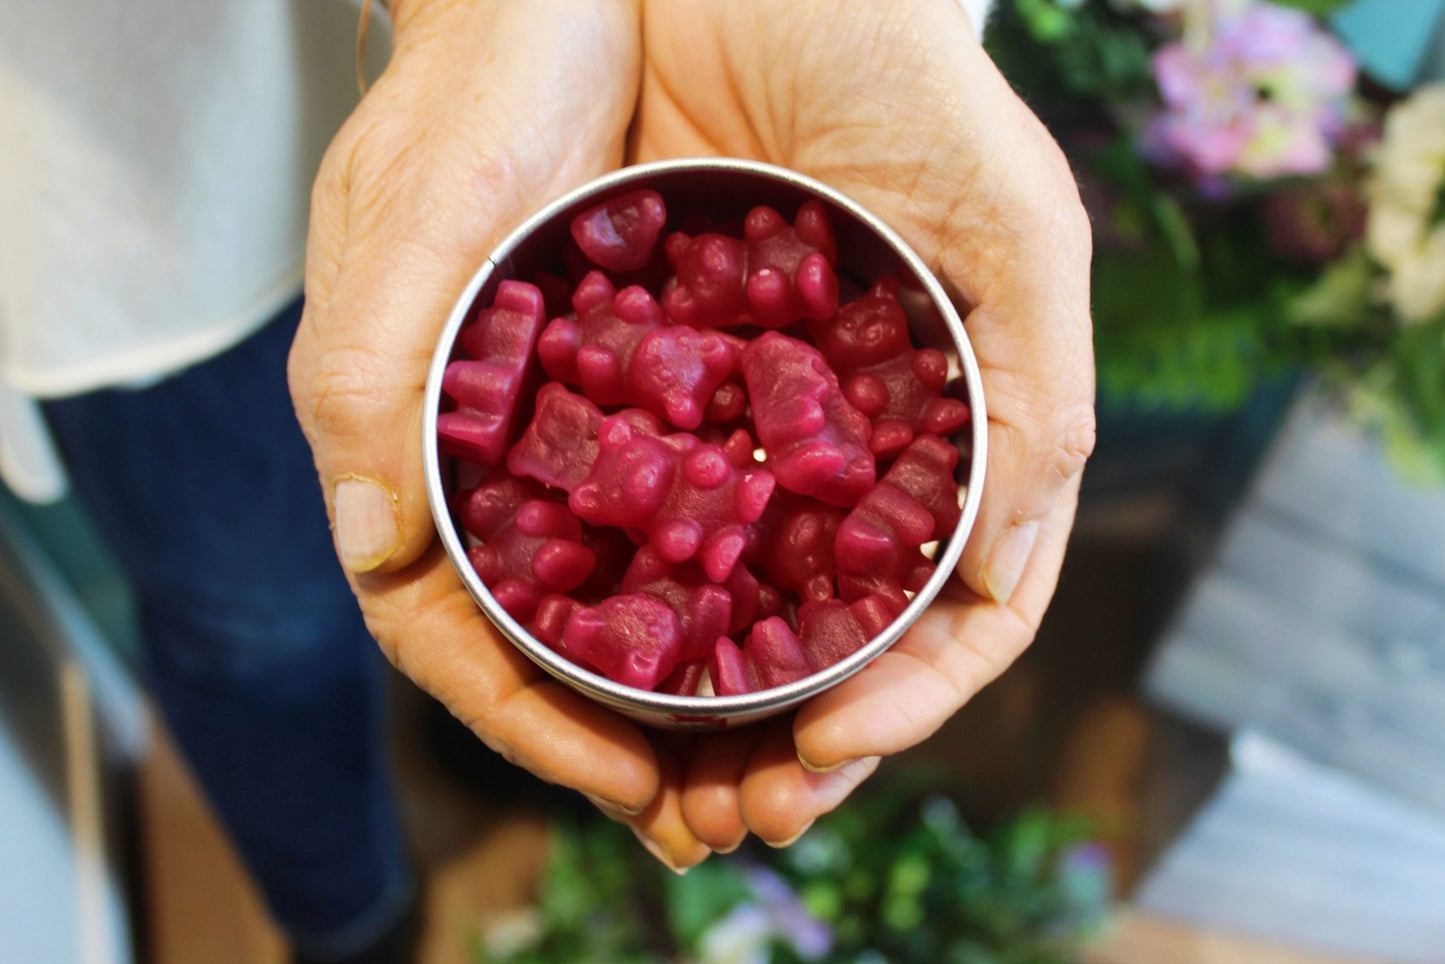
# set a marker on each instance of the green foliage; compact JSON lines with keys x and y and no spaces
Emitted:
{"x":894,"y":877}
{"x":1204,"y":291}
{"x":1319,"y":8}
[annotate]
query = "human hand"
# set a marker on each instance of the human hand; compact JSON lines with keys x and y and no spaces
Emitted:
{"x":898,"y":106}
{"x":486,"y":111}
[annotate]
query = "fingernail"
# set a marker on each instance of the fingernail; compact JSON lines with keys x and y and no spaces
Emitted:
{"x":815,"y":768}
{"x":654,"y":848}
{"x":367,"y":530}
{"x":1005,"y":565}
{"x":615,"y":810}
{"x":780,"y":844}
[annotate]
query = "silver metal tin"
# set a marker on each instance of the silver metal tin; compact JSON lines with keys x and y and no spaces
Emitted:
{"x":721,"y":189}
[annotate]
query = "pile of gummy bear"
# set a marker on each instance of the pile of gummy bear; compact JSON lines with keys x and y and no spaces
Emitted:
{"x":699,"y":472}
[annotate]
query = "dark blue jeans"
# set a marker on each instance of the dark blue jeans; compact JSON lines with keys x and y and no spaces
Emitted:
{"x":203,"y":487}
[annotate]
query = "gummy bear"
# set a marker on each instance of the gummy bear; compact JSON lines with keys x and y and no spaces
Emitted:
{"x":488,"y":383}
{"x":776,"y":275}
{"x":775,"y":653}
{"x":633,"y":639}
{"x":899,"y":387}
{"x":879,"y":540}
{"x":925,"y":472}
{"x":530,"y":544}
{"x":816,"y":442}
{"x":682,"y":494}
{"x":703,"y":607}
{"x":560,"y":443}
{"x":621,"y":351}
{"x":796,"y":545}
{"x":619,"y":234}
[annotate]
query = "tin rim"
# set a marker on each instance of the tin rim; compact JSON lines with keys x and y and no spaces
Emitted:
{"x":704,"y":710}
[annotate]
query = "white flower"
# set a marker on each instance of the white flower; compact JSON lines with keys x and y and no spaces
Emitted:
{"x":1405,"y":190}
{"x":1418,"y":285}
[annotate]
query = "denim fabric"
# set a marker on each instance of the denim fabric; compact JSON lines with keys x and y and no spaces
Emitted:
{"x":254,"y":648}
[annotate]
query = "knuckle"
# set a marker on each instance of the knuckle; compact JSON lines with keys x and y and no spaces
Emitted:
{"x":339,"y":393}
{"x":1074,"y":440}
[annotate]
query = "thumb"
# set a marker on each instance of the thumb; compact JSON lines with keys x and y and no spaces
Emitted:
{"x":485,"y":112}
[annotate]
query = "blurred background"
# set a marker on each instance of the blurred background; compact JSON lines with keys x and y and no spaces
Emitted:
{"x":1227,"y":743}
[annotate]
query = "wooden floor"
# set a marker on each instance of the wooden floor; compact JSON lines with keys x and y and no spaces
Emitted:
{"x":1080,"y":745}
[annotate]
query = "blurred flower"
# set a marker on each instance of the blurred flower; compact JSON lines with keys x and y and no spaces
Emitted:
{"x":1314,"y":223}
{"x":511,"y":932}
{"x":1264,"y":95}
{"x":747,"y":933}
{"x":1151,"y":6}
{"x":1405,"y":230}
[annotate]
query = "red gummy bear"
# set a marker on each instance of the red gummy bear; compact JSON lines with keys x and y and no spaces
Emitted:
{"x":488,"y":384}
{"x":560,"y":444}
{"x":832,"y":629}
{"x":899,"y":387}
{"x":796,"y":545}
{"x":682,"y":494}
{"x":775,"y":655}
{"x":633,"y":639}
{"x":620,"y":234}
{"x":916,"y":500}
{"x":703,"y":607}
{"x":776,"y":275}
{"x":530,"y":545}
{"x":816,"y":442}
{"x":878,"y":543}
{"x":622,"y":352}
{"x":925,"y":472}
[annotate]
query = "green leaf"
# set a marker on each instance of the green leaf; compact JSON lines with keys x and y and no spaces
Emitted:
{"x":1340,"y":298}
{"x":1320,"y":8}
{"x":701,"y":896}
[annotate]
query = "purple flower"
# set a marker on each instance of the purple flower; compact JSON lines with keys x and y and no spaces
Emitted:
{"x":1265,"y":95}
{"x":745,"y":934}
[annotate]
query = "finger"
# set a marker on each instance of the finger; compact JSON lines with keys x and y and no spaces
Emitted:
{"x":430,"y":185}
{"x":710,"y":795}
{"x":431,"y":629}
{"x":662,"y":828}
{"x":1027,"y":275}
{"x":780,"y":799}
{"x":958,"y":645}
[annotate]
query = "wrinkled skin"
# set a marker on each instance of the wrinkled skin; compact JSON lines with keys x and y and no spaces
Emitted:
{"x":490,"y":109}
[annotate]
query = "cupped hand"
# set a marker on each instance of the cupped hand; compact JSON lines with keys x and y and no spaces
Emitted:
{"x":898,"y":106}
{"x":490,"y":109}
{"x":486,"y":112}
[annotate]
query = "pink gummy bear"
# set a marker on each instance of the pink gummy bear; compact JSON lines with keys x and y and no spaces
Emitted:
{"x":633,"y":639}
{"x":796,"y":547}
{"x":620,"y":234}
{"x":703,"y":607}
{"x":879,"y":540}
{"x":775,"y":655}
{"x":560,"y":444}
{"x":733,"y":674}
{"x":925,"y":473}
{"x":776,"y":275}
{"x":622,"y":351}
{"x":488,"y":383}
{"x":899,"y":387}
{"x":816,"y":442}
{"x":530,"y":545}
{"x":683,"y":495}
{"x":831,"y":630}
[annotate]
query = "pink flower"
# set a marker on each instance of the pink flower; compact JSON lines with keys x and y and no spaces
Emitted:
{"x":1266,"y":96}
